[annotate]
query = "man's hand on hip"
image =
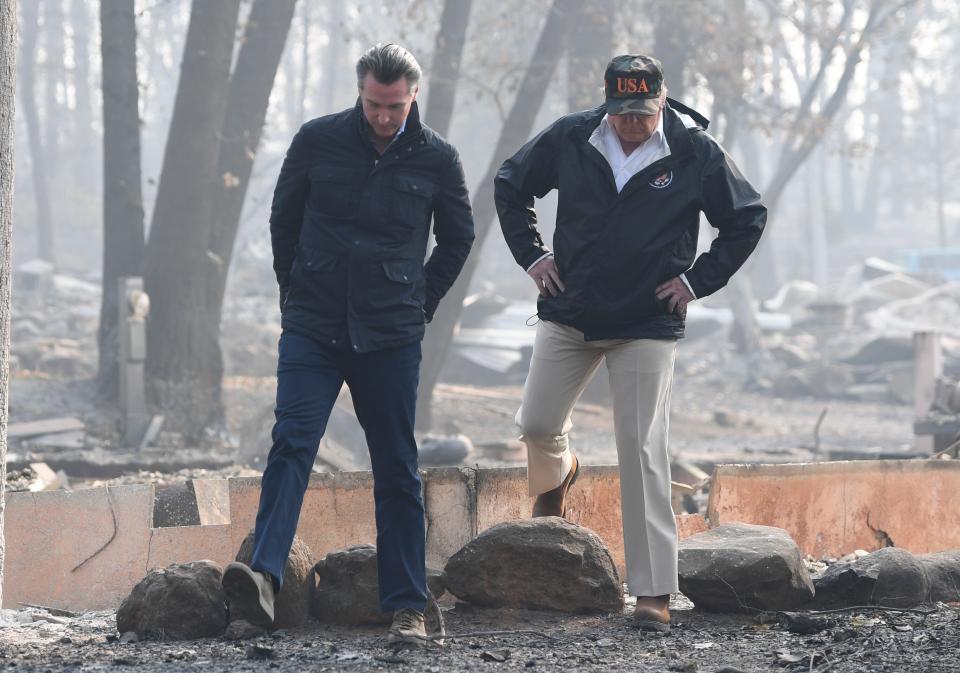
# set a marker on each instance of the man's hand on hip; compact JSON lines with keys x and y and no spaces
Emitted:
{"x":676,"y":294}
{"x":547,"y":278}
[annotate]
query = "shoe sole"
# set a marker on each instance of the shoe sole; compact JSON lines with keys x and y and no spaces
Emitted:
{"x":651,"y":625}
{"x":243,"y":591}
{"x":396,"y":639}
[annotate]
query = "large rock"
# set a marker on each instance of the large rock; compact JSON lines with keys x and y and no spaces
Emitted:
{"x":892,"y":577}
{"x":545,"y":563}
{"x":888,"y":576}
{"x":943,"y":575}
{"x":292,"y":605}
{"x":741,"y":567}
{"x":178,"y":602}
{"x":348,"y":591}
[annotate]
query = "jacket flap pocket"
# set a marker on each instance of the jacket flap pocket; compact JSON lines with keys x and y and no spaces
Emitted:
{"x":413,"y":184}
{"x":402,"y":270}
{"x":317,"y":260}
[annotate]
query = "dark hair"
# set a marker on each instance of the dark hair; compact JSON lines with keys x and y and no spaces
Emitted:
{"x":388,"y":63}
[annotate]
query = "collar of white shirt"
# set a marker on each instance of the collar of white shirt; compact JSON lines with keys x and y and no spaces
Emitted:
{"x":624,"y":166}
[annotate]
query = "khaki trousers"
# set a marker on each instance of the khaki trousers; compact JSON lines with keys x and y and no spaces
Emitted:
{"x":641,"y":376}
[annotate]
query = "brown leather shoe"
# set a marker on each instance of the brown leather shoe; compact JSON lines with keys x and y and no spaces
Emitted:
{"x":554,"y":503}
{"x":652,"y":613}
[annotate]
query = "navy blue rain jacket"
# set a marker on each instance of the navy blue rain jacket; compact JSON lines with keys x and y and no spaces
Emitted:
{"x":613,"y":249}
{"x":349,"y":229}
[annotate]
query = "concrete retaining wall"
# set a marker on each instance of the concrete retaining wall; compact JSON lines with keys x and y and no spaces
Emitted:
{"x":831,"y":509}
{"x":85,"y":550}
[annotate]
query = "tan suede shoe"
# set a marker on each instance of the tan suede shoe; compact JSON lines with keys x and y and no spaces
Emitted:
{"x":652,"y":613}
{"x":554,"y":503}
{"x":251,"y":591}
{"x":408,"y":628}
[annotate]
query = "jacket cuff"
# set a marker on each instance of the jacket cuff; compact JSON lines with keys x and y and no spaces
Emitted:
{"x":533,"y":255}
{"x":696,"y":284}
{"x":429,"y":308}
{"x":539,"y":259}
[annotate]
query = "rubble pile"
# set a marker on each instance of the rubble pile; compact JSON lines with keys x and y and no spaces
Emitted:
{"x":53,"y":322}
{"x":856,"y":342}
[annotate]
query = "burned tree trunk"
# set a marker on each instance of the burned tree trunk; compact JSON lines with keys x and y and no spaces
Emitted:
{"x":516,"y":130}
{"x":672,"y":37}
{"x":331,"y":65}
{"x":304,"y":64}
{"x":80,"y":20}
{"x":730,"y":90}
{"x":38,"y":164}
{"x":447,"y":55}
{"x":177,"y":253}
{"x":8,"y":76}
{"x":588,"y":53}
{"x":250,"y":87}
{"x":53,"y":79}
{"x":122,"y":197}
{"x":445,"y":73}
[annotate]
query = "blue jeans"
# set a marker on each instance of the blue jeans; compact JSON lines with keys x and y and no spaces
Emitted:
{"x":383,"y":385}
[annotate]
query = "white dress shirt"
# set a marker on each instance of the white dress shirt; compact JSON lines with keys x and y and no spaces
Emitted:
{"x":625,"y":166}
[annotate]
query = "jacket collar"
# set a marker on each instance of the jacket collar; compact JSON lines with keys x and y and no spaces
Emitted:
{"x":677,"y":134}
{"x":412,"y":127}
{"x":592,"y":118}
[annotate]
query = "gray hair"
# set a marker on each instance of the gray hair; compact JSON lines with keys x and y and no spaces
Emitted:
{"x":388,"y":63}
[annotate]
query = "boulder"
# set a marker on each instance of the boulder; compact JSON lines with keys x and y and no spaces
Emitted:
{"x":943,"y":575}
{"x":178,"y":602}
{"x":740,"y":567}
{"x":348,"y":591}
{"x":292,"y":604}
{"x":892,"y":577}
{"x":888,"y":576}
{"x":546,"y":563}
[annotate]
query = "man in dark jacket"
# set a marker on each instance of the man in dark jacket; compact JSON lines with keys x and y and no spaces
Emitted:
{"x":633,"y":177}
{"x":349,"y":223}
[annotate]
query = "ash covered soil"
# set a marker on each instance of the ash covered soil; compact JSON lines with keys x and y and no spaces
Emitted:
{"x":867,"y":640}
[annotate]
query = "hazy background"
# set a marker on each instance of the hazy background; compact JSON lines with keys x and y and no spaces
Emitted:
{"x":838,"y":111}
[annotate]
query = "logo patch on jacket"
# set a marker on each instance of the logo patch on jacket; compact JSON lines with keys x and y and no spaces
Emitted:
{"x":662,"y":181}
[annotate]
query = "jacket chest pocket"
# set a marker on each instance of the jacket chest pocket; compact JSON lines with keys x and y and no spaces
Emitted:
{"x":333,"y":191}
{"x":411,"y":200}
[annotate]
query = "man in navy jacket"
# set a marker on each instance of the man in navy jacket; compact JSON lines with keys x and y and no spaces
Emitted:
{"x":349,"y":223}
{"x":633,"y":177}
